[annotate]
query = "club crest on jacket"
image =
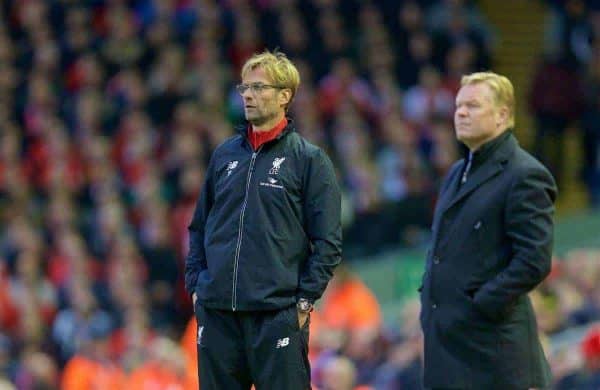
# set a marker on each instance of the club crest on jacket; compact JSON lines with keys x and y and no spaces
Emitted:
{"x":276,"y":165}
{"x":231,"y":166}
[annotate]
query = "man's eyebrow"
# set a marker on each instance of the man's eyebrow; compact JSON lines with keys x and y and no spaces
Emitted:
{"x":469,"y":100}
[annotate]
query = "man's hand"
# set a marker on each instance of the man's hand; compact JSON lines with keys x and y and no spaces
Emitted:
{"x":302,"y":318}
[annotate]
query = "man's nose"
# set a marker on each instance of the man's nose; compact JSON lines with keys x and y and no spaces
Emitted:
{"x":247,"y":94}
{"x":461,"y":111}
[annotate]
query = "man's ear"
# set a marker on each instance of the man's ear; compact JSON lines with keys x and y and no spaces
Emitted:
{"x":502,"y":116}
{"x":285,"y":96}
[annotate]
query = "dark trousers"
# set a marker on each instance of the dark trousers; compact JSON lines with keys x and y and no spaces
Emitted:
{"x":264,"y":348}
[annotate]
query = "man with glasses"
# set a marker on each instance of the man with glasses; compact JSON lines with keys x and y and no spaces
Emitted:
{"x":264,"y":241}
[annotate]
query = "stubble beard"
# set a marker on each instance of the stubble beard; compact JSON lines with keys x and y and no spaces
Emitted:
{"x":259,"y":118}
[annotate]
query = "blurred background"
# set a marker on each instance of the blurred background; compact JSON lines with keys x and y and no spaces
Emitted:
{"x":109,"y":111}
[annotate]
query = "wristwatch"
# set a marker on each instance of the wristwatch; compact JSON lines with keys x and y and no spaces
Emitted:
{"x":304,"y":305}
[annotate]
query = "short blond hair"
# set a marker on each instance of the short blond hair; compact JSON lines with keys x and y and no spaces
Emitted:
{"x":279,"y":69}
{"x":502,"y":89}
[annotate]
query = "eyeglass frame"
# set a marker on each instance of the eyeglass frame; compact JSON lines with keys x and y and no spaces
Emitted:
{"x":255,"y":87}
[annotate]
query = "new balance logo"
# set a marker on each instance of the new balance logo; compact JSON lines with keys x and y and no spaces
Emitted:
{"x":281,"y":343}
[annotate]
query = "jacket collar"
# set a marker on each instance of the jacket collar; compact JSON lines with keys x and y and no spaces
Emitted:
{"x":242,"y":129}
{"x":486,"y":150}
{"x":492,"y":160}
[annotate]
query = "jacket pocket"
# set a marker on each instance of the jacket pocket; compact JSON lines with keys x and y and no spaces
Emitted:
{"x":291,"y":316}
{"x":468,"y":296}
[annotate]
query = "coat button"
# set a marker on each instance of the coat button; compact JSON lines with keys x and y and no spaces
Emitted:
{"x":436,"y":260}
{"x":434,"y":306}
{"x":477,"y":225}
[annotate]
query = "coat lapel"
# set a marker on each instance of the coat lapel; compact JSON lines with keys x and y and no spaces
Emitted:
{"x":444,"y":199}
{"x":483,"y":174}
{"x":448,"y":195}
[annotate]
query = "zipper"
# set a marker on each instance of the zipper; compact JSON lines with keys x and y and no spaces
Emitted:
{"x":241,"y":230}
{"x":467,"y":168}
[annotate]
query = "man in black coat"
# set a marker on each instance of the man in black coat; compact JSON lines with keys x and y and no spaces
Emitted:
{"x":492,"y":244}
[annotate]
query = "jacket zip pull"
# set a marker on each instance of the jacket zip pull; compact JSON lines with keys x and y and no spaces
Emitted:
{"x":467,"y":168}
{"x":240,"y":230}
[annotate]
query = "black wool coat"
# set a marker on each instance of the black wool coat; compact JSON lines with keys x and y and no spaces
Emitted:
{"x":492,"y":244}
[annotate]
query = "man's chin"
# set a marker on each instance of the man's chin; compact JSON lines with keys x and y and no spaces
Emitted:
{"x":256,"y":121}
{"x":462,"y":136}
{"x":465,"y":139}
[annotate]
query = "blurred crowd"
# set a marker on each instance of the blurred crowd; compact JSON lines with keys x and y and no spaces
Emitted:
{"x":388,"y":356}
{"x":565,"y":90}
{"x":109,"y":110}
{"x":567,"y":305}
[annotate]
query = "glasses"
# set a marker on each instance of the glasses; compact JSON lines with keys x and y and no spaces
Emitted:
{"x":255,"y":87}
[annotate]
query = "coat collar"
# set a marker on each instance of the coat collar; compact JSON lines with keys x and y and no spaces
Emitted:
{"x":492,"y":161}
{"x":487,"y":149}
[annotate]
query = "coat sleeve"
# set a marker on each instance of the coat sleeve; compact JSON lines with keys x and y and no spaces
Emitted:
{"x":322,"y":210}
{"x":529,"y":228}
{"x":195,"y":261}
